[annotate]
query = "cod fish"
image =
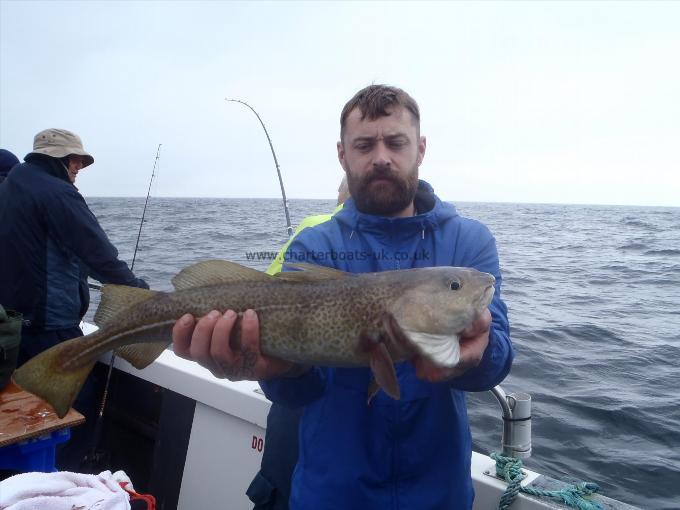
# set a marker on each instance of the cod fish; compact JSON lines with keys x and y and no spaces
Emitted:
{"x":313,"y":316}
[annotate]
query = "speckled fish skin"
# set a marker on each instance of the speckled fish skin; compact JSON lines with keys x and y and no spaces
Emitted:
{"x":354,"y":320}
{"x":317,"y":323}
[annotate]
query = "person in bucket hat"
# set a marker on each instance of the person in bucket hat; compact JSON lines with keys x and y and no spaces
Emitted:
{"x":64,"y":146}
{"x":51,"y":243}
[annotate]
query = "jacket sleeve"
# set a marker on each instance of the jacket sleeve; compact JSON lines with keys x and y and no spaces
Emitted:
{"x":498,"y":356}
{"x":297,"y":391}
{"x":73,"y":226}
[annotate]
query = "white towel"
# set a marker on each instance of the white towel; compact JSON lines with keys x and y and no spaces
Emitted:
{"x":62,"y":491}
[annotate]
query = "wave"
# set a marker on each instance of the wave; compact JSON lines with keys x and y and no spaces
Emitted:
{"x":635,"y":222}
{"x":665,"y":253}
{"x":634,"y":246}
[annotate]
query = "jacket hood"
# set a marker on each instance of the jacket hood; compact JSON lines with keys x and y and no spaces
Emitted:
{"x":52,"y":166}
{"x":431,"y":212}
{"x":7,"y":161}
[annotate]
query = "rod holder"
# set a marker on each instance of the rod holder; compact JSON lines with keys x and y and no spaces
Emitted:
{"x":516,"y":409}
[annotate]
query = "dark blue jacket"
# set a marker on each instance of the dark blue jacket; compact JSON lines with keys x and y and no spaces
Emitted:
{"x":49,"y":243}
{"x":408,"y":454}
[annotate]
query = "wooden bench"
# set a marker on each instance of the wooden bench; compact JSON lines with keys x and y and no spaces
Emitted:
{"x":30,"y":431}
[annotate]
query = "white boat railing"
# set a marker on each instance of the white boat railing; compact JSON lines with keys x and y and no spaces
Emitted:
{"x":229,"y":424}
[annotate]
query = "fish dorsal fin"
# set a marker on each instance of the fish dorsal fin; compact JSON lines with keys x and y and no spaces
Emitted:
{"x":211,"y":272}
{"x":142,"y":355}
{"x":116,"y":298}
{"x":311,"y":273}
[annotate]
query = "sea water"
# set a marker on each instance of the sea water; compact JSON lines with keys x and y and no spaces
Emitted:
{"x":593,"y":294}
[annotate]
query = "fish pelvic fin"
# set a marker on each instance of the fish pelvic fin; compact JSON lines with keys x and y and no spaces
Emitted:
{"x":381,"y":364}
{"x":311,"y":273}
{"x":142,"y":355}
{"x":115,"y":299}
{"x":383,"y":371}
{"x":212,"y":272}
{"x":44,"y":376}
{"x":373,"y":388}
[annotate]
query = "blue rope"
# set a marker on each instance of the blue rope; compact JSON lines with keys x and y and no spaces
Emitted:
{"x":510,"y":470}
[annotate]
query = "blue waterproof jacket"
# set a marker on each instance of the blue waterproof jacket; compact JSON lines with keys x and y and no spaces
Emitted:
{"x":411,"y":454}
{"x":49,"y":243}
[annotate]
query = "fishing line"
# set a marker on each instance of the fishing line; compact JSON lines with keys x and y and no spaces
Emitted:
{"x":276,"y":162}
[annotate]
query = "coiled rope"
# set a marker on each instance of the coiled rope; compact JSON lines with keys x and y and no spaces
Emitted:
{"x":510,"y":469}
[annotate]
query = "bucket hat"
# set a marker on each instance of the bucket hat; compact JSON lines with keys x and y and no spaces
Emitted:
{"x":60,"y":143}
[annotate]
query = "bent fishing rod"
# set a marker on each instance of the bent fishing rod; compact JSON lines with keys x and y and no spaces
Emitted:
{"x":96,"y":455}
{"x":276,"y":162}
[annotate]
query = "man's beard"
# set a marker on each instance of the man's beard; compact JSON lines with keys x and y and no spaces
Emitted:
{"x":386,"y":198}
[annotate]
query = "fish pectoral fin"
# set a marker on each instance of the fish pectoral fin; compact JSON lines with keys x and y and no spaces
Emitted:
{"x":383,"y":371}
{"x":441,"y":349}
{"x":116,"y":298}
{"x":43,"y":376}
{"x":212,"y":272}
{"x":143,"y":354}
{"x":310,"y":273}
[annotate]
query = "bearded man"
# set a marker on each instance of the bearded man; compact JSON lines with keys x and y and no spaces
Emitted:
{"x":413,"y":453}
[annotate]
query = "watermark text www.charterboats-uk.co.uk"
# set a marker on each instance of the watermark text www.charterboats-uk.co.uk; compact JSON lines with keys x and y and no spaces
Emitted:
{"x":383,"y":254}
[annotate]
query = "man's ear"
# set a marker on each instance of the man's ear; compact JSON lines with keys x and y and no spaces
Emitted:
{"x":341,"y":155}
{"x":422,"y":145}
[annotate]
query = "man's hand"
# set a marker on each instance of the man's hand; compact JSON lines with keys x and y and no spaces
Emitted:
{"x":208,"y":343}
{"x":473,"y":342}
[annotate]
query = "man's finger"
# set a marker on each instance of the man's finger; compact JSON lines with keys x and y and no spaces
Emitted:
{"x":253,"y":363}
{"x":250,"y":332}
{"x":220,"y":349}
{"x":181,"y":335}
{"x":200,"y":340}
{"x":481,"y":324}
{"x":472,"y":350}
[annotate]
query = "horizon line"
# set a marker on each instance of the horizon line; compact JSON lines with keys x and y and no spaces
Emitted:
{"x":444,"y":200}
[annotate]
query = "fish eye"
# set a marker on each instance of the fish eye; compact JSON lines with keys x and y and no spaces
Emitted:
{"x":455,"y":285}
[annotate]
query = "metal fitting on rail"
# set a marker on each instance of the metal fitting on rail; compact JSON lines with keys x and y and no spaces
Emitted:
{"x":516,"y":409}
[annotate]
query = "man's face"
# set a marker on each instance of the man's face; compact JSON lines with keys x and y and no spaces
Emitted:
{"x":75,"y":164}
{"x":381,"y":158}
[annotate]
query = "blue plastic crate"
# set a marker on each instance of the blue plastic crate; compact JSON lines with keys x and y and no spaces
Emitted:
{"x":35,"y":454}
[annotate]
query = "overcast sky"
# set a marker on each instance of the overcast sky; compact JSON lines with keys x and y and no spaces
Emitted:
{"x":575,"y":102}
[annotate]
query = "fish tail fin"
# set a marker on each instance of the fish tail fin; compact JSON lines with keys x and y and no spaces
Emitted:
{"x":44,"y":376}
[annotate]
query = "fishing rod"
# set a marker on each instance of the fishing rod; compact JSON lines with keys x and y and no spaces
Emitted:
{"x":96,"y":286}
{"x":276,"y":162}
{"x":148,"y":194}
{"x":96,"y":456}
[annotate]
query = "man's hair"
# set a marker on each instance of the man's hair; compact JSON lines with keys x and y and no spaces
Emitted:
{"x":379,"y":101}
